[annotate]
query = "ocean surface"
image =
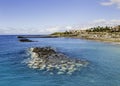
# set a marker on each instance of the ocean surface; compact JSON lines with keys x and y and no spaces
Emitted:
{"x":103,"y":70}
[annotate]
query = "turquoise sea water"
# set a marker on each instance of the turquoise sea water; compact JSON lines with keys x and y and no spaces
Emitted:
{"x":103,"y":70}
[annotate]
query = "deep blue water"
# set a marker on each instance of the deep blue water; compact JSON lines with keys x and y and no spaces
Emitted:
{"x":103,"y":70}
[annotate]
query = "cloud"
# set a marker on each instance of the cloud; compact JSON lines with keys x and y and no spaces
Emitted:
{"x":104,"y":22}
{"x":112,"y":2}
{"x":33,"y":30}
{"x":99,"y":22}
{"x":51,"y":29}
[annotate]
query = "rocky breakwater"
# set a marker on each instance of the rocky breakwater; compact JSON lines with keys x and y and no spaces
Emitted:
{"x":49,"y":60}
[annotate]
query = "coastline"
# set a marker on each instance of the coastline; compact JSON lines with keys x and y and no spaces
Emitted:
{"x":96,"y":40}
{"x":102,"y":40}
{"x":105,"y":41}
{"x":101,"y":34}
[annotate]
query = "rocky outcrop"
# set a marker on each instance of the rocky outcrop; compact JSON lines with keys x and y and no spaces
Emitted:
{"x":25,"y":40}
{"x":20,"y":37}
{"x":49,"y":60}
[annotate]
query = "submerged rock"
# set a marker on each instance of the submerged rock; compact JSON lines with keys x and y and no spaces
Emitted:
{"x":48,"y":59}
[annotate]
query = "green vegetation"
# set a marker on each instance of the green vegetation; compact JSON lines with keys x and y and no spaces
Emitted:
{"x":104,"y":29}
{"x":66,"y":34}
{"x":99,"y":29}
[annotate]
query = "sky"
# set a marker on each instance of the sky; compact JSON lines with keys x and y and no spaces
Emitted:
{"x":48,"y":16}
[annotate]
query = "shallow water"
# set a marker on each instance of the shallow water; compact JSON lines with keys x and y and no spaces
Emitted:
{"x":104,"y":68}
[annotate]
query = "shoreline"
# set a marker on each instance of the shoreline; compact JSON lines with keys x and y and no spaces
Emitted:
{"x":96,"y":40}
{"x":105,"y":41}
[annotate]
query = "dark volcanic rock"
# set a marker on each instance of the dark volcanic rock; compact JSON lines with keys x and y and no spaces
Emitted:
{"x":25,"y":40}
{"x":47,"y":59}
{"x":20,"y":37}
